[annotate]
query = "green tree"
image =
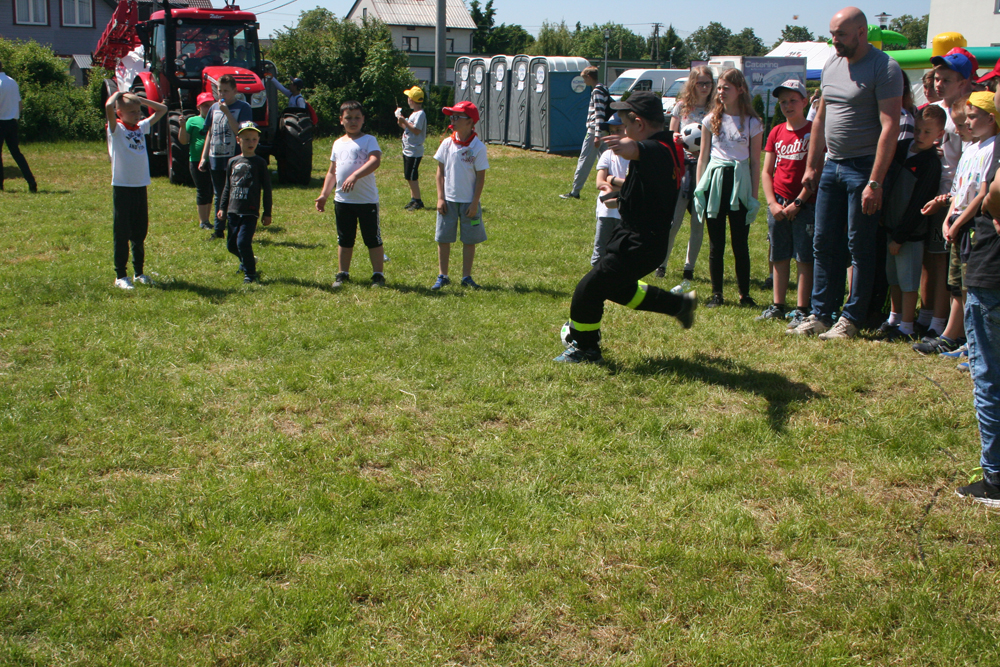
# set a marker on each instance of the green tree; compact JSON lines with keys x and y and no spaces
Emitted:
{"x":711,"y":40}
{"x":794,"y":33}
{"x":681,"y":56}
{"x":745,"y":43}
{"x":553,"y":40}
{"x":914,"y":28}
{"x":340,"y":60}
{"x":588,"y":42}
{"x":491,"y":38}
{"x":483,"y":18}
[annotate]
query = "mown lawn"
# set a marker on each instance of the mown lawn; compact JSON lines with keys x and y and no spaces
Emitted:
{"x":207,"y":473}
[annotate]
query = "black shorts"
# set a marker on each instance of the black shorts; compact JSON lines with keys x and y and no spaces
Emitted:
{"x":410,"y":167}
{"x":202,"y":184}
{"x":352,"y":216}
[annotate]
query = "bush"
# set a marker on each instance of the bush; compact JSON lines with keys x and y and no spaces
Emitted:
{"x":54,"y":108}
{"x":340,"y":60}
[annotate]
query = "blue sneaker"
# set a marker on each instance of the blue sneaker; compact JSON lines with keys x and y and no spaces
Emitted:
{"x":962,"y":351}
{"x":441,"y":282}
{"x":964,"y":367}
{"x":467,"y":281}
{"x":576,"y":355}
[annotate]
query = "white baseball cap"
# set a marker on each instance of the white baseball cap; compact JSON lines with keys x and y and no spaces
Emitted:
{"x":791,"y":84}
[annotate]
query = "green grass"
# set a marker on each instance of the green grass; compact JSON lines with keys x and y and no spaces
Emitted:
{"x":207,"y":473}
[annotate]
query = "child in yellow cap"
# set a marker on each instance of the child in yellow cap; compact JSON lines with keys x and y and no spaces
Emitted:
{"x":414,"y":134}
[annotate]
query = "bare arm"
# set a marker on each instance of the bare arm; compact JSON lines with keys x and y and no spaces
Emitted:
{"x":888,"y":111}
{"x":473,"y":211}
{"x":234,"y":124}
{"x":329,"y":183}
{"x":991,"y":203}
{"x":203,"y":164}
{"x":706,"y":149}
{"x":767,"y":179}
{"x":442,"y":206}
{"x":404,"y":123}
{"x":159,"y":110}
{"x":182,"y":134}
{"x":755,"y":165}
{"x":817,"y":147}
{"x":603,"y":184}
{"x":675,"y":121}
{"x":623,"y":146}
{"x":109,"y":111}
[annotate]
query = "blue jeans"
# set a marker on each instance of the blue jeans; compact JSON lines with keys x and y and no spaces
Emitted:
{"x":839,"y":216}
{"x":240,"y":242}
{"x":982,"y":328}
{"x":218,"y":185}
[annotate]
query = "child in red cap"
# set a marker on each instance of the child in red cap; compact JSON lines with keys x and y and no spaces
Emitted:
{"x":461,"y":174}
{"x":192,"y":133}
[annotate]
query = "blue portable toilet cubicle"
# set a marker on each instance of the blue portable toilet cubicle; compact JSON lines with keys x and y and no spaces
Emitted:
{"x":517,"y":106}
{"x":463,"y":73}
{"x":498,"y":99}
{"x":479,"y":83}
{"x":558,"y":103}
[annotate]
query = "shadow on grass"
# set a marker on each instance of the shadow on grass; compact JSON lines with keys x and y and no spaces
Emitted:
{"x":288,"y":244}
{"x":216,"y":294}
{"x":298,"y":282}
{"x":456,"y":289}
{"x":776,"y":389}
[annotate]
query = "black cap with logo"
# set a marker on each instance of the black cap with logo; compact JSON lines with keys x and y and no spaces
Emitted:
{"x":643,"y":104}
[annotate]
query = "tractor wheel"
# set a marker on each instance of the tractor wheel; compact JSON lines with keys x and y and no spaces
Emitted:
{"x":295,"y":132}
{"x":108,"y":88}
{"x":157,"y":156}
{"x":178,"y":155}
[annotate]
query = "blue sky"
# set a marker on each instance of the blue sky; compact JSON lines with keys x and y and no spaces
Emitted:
{"x":766,"y":18}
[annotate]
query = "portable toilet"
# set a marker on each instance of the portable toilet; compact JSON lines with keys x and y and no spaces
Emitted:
{"x":462,"y":73}
{"x":517,"y":107}
{"x":479,"y":93}
{"x":498,"y":99}
{"x":559,"y":101}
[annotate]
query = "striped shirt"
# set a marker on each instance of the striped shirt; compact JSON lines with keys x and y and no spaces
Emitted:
{"x":597,"y":114}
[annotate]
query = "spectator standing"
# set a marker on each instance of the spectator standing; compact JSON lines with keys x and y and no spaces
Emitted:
{"x":596,"y":128}
{"x":858,"y":124}
{"x":11,"y":107}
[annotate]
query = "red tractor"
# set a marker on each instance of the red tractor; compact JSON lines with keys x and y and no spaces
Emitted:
{"x":179,"y":53}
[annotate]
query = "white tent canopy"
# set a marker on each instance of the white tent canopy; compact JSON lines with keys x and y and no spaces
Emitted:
{"x":815,"y":53}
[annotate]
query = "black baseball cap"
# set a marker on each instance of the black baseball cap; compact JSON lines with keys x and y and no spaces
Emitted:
{"x":643,"y":104}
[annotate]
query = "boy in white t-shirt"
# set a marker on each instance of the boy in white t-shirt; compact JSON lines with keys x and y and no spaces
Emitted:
{"x":609,"y":166}
{"x":353,"y":162}
{"x":126,"y":134}
{"x":414,"y":134}
{"x":461,"y":174}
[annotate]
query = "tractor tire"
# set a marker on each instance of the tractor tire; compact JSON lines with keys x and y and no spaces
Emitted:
{"x":157,"y":157}
{"x":295,"y":139}
{"x":178,"y":155}
{"x":108,"y":88}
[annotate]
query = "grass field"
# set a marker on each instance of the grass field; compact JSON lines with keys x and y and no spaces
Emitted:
{"x":207,"y":473}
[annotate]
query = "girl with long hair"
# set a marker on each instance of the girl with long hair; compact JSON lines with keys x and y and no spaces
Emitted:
{"x":695,"y":102}
{"x":729,"y":180}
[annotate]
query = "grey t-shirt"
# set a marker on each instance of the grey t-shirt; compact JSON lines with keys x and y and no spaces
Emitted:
{"x":852,"y":94}
{"x":413,"y":144}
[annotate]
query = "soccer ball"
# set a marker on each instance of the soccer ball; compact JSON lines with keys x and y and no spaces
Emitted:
{"x":564,"y":335}
{"x":691,"y":137}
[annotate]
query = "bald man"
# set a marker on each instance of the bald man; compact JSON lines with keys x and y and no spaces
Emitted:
{"x":857,"y":125}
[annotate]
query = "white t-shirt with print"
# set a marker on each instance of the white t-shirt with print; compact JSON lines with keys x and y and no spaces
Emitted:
{"x":349,"y":156}
{"x":129,"y":160}
{"x":617,"y":167}
{"x":460,"y":166}
{"x":973,"y":168}
{"x":733,"y":140}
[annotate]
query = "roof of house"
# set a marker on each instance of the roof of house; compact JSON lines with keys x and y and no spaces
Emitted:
{"x":83,"y":60}
{"x":418,"y":12}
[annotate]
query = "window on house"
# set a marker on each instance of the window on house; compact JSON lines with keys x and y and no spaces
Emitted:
{"x":31,"y":12}
{"x":364,"y":12}
{"x":451,"y":45}
{"x":411,"y":43}
{"x":77,"y":13}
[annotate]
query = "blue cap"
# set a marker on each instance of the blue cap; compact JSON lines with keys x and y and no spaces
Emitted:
{"x":299,"y":83}
{"x":615,"y":120}
{"x":957,"y":62}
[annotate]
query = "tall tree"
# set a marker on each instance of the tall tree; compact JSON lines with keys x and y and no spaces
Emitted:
{"x":492,"y":38}
{"x":681,"y":57}
{"x":914,"y":28}
{"x":483,"y":17}
{"x":588,"y":42}
{"x":795,"y":33}
{"x":553,"y":40}
{"x":710,"y":40}
{"x":745,"y":43}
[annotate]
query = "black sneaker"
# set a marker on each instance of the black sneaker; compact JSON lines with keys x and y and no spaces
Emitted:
{"x":772,"y":312}
{"x":936,"y":346}
{"x":894,"y":335}
{"x":409,"y":206}
{"x":929,"y":335}
{"x":747,"y":302}
{"x":577,"y":355}
{"x":417,"y":206}
{"x":686,"y":316}
{"x":341,"y":278}
{"x":660,"y":272}
{"x":885,"y":329}
{"x":569,"y":195}
{"x":982,"y":492}
{"x":215,"y":237}
{"x":249,"y":279}
{"x":715,"y":301}
{"x":768,"y":282}
{"x":378,"y":280}
{"x":33,"y":187}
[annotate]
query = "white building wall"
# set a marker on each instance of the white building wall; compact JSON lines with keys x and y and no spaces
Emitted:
{"x":977,"y":20}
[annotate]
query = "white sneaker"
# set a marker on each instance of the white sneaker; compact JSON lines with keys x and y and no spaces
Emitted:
{"x":683,"y":288}
{"x":124,"y":283}
{"x":810,"y":326}
{"x":843,"y":329}
{"x":143,"y":279}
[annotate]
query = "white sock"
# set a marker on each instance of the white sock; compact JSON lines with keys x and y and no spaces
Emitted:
{"x":377,"y":273}
{"x":894,"y":318}
{"x":925,"y":316}
{"x":939,"y":324}
{"x":906,"y":328}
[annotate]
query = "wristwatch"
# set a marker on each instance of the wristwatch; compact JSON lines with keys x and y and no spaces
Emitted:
{"x":874,"y":185}
{"x":798,"y":202}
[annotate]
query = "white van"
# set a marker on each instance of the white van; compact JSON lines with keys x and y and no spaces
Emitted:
{"x":655,"y":80}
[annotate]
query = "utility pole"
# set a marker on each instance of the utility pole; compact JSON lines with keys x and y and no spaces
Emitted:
{"x":440,"y":33}
{"x":655,"y":55}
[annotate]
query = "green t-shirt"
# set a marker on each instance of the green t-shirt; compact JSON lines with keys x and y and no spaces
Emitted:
{"x":195,"y":127}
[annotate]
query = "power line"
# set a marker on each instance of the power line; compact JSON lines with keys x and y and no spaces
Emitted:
{"x":278,"y":7}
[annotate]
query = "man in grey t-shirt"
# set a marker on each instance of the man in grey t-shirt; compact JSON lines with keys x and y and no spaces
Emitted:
{"x":857,"y":124}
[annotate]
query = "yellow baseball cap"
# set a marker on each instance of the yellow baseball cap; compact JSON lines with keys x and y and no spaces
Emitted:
{"x":416,"y":94}
{"x":984,"y":100}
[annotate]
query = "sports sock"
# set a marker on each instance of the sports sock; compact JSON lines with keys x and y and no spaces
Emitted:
{"x":894,"y":318}
{"x":906,"y":328}
{"x":925,"y":316}
{"x":939,"y":324}
{"x":688,"y":275}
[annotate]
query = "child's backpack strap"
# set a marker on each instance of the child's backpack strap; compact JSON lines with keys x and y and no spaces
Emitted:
{"x":676,"y":151}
